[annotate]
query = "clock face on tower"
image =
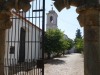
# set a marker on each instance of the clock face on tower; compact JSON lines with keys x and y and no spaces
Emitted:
{"x":51,"y":19}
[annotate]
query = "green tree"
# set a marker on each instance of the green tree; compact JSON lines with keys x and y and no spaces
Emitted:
{"x":78,"y":41}
{"x":54,"y":41}
{"x":70,"y":43}
{"x":78,"y":33}
{"x":79,"y":45}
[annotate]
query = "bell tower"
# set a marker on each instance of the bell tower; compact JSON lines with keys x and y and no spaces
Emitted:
{"x":51,"y":20}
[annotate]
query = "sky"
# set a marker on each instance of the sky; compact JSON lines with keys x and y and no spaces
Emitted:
{"x":67,"y":19}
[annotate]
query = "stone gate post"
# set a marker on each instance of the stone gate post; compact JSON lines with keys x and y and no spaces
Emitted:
{"x":89,"y":18}
{"x":5,"y":23}
{"x":2,"y":50}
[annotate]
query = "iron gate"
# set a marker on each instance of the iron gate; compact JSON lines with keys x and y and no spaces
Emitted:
{"x":24,"y":41}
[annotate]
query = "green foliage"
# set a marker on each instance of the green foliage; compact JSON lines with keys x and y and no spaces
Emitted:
{"x":70,"y":43}
{"x":79,"y":45}
{"x":55,"y":41}
{"x":78,"y":41}
{"x":52,"y":39}
{"x":78,"y":33}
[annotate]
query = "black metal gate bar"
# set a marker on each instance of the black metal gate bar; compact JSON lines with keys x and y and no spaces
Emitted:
{"x":43,"y":27}
{"x":24,"y":41}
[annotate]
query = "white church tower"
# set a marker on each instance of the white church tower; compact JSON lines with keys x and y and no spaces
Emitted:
{"x":51,"y":20}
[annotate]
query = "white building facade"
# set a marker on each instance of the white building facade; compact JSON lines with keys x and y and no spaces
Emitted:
{"x":22,"y":41}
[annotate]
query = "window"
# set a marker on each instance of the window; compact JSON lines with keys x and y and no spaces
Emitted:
{"x":51,"y":19}
{"x":12,"y":49}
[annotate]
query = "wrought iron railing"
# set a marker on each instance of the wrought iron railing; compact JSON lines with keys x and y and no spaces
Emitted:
{"x":24,"y":52}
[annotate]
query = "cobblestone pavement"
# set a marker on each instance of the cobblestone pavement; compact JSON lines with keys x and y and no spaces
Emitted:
{"x":66,"y":65}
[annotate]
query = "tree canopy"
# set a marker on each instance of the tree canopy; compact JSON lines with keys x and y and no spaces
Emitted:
{"x":78,"y":41}
{"x":55,"y":41}
{"x":78,"y":33}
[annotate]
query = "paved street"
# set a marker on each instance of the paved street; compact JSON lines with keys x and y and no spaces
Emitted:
{"x":67,"y":65}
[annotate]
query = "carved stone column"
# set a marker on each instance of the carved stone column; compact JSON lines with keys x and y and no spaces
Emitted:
{"x":5,"y":23}
{"x":89,"y":18}
{"x":2,"y":50}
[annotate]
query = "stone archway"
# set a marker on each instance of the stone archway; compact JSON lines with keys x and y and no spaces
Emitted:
{"x":89,"y":18}
{"x":5,"y":23}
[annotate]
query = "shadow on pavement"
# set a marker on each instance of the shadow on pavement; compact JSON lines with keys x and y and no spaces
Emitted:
{"x":63,"y":56}
{"x":54,"y":61}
